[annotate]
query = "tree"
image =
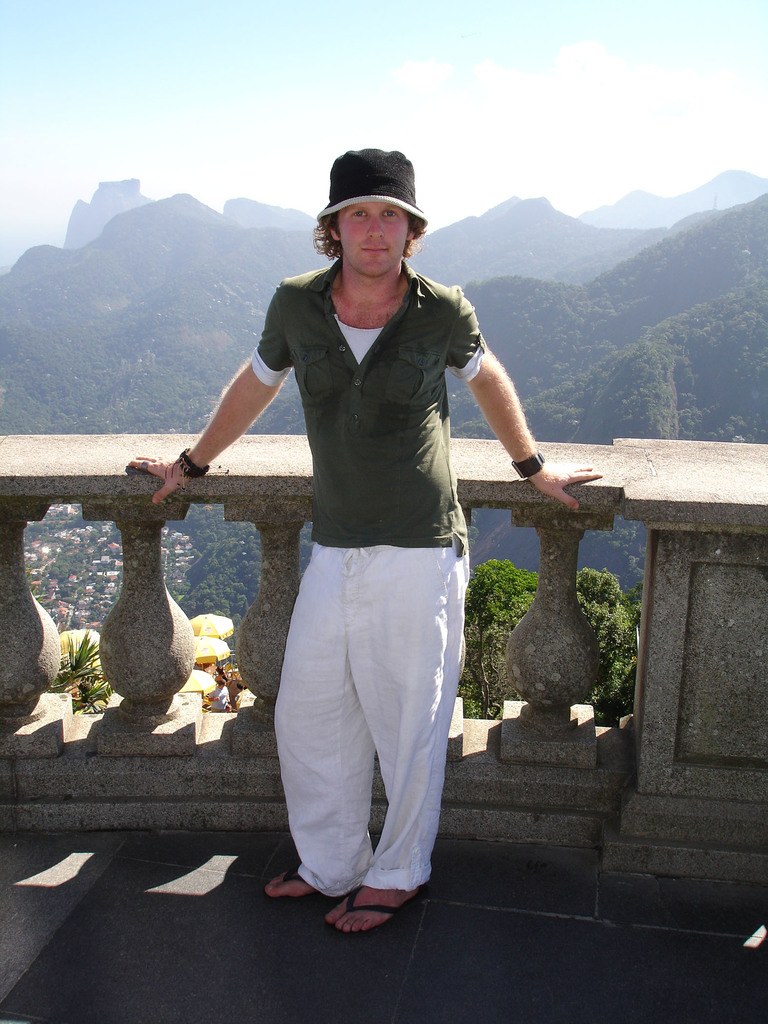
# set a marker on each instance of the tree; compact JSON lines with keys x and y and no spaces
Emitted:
{"x":499,"y":595}
{"x":614,"y":616}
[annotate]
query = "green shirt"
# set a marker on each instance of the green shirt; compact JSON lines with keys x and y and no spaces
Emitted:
{"x":379,"y":430}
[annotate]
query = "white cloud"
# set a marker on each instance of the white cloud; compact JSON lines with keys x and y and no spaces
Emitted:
{"x":585,"y":131}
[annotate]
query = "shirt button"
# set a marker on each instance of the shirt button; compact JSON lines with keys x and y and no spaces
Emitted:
{"x":357,"y":382}
{"x":342,"y":348}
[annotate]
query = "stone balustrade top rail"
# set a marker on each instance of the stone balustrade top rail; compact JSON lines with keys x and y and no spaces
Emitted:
{"x":655,"y":481}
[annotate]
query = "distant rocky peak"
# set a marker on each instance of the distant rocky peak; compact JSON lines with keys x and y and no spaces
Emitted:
{"x":88,"y":220}
{"x":129,"y":189}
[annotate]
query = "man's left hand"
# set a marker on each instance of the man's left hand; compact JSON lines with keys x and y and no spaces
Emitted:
{"x":553,"y":477}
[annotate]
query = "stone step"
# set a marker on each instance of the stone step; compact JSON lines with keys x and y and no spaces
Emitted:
{"x":668,"y":858}
{"x":118,"y":815}
{"x":689,"y":819}
{"x":563,"y":827}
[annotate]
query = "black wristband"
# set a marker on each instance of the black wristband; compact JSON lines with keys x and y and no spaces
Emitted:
{"x":188,"y":467}
{"x":529,"y":467}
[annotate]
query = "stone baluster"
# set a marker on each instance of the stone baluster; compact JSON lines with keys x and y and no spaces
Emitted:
{"x":147,"y":645}
{"x":33,"y":723}
{"x":263,"y":632}
{"x":552,"y":654}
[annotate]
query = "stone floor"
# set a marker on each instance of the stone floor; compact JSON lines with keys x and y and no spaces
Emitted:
{"x":160,"y":928}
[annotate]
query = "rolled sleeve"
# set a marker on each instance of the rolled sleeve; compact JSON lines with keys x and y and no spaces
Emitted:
{"x":272,"y":378}
{"x":471,"y":369}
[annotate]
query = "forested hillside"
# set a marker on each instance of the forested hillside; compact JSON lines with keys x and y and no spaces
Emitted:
{"x":140,"y":329}
{"x":672,"y":343}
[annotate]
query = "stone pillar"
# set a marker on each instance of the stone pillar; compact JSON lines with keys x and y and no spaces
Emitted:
{"x":33,"y":723}
{"x":263,"y":632}
{"x":553,"y":656}
{"x":699,"y":806}
{"x":147,"y":646}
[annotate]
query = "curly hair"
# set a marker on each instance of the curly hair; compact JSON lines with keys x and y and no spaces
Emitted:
{"x":329,"y":246}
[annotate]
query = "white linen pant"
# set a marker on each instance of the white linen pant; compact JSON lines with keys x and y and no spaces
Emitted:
{"x":371,"y":665}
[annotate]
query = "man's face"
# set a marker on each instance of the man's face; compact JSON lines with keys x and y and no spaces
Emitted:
{"x":373,"y":237}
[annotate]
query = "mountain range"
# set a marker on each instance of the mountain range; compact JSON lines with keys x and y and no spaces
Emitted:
{"x":670,"y":343}
{"x":139,"y":329}
{"x":638,"y":210}
{"x":527,"y":237}
{"x":644,"y":210}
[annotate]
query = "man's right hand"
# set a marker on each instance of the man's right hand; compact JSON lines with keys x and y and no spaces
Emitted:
{"x":169,"y":472}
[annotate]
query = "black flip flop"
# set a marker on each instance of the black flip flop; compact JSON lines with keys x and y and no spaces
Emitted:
{"x":291,"y":875}
{"x":378,"y":908}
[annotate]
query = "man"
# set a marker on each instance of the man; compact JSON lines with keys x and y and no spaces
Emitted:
{"x":373,"y":654}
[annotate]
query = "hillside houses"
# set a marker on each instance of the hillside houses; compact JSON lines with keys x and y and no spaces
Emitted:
{"x":75,"y":567}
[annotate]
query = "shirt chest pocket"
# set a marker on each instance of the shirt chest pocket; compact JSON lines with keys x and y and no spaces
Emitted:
{"x":313,"y":372}
{"x":415,"y":374}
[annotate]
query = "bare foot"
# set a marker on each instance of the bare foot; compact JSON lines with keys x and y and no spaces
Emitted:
{"x":290,"y":883}
{"x":366,"y":908}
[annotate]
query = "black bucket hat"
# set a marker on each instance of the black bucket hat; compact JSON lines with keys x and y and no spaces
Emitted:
{"x":372,"y":176}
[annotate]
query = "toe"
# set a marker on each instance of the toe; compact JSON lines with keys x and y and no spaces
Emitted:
{"x":284,"y":886}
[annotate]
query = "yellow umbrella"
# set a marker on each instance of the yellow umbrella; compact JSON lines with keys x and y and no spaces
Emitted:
{"x":218,"y":626}
{"x":198,"y":682}
{"x":208,"y":649}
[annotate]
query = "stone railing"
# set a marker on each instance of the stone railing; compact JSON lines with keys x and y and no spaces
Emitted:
{"x":681,"y":788}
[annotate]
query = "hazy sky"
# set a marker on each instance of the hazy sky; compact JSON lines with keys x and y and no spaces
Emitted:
{"x":581,"y":102}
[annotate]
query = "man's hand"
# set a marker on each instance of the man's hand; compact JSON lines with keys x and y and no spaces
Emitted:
{"x":169,"y":472}
{"x":553,"y":477}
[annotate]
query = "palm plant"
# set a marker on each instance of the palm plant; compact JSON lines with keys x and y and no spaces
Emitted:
{"x":81,"y":676}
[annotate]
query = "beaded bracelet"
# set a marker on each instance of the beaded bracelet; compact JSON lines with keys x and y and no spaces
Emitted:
{"x":188,"y":467}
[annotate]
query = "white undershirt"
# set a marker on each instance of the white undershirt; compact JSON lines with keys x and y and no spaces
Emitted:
{"x":360,"y":340}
